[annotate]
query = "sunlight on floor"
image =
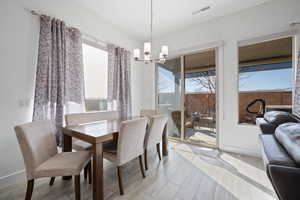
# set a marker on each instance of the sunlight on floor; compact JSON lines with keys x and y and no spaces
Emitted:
{"x":247,"y":169}
{"x":198,"y":137}
{"x":239,"y":186}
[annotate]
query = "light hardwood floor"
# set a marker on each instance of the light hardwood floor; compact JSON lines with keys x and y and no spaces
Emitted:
{"x":188,"y":173}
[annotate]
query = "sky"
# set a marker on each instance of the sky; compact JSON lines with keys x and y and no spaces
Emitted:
{"x":267,"y":80}
{"x":249,"y":81}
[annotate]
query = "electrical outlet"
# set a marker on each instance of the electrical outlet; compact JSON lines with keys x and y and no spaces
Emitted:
{"x":24,"y":102}
{"x":20,"y":102}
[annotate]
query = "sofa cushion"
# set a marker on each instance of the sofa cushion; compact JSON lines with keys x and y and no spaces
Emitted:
{"x":288,"y":135}
{"x":265,"y":127}
{"x":273,"y":152}
{"x":279,"y":117}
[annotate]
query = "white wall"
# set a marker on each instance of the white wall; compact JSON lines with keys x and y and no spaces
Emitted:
{"x":269,"y":18}
{"x":19,"y":31}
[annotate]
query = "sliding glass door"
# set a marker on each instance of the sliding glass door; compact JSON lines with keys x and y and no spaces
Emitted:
{"x":169,"y":94}
{"x":200,"y":98}
{"x":186,"y":92}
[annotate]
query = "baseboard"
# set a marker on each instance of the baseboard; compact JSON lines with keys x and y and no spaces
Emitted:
{"x":242,"y":151}
{"x":12,"y":178}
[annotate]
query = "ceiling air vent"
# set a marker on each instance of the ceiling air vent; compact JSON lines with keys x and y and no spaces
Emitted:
{"x":201,"y":10}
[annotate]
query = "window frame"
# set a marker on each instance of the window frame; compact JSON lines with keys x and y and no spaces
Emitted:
{"x":96,"y":45}
{"x":266,"y":38}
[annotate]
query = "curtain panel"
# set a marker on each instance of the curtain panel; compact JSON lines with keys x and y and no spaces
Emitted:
{"x":59,"y":76}
{"x":296,"y":101}
{"x":119,"y":87}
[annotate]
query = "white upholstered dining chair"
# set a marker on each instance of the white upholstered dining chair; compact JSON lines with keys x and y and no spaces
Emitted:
{"x":76,"y":119}
{"x":130,"y":145}
{"x":41,"y":158}
{"x":154,"y":135}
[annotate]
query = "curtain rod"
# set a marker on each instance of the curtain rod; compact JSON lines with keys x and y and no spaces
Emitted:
{"x":85,"y":35}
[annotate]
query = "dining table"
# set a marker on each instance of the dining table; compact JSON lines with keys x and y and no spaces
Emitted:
{"x":97,"y":133}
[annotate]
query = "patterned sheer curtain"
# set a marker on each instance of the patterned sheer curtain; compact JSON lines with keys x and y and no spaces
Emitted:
{"x":59,"y":78}
{"x":296,"y":102}
{"x":119,"y":88}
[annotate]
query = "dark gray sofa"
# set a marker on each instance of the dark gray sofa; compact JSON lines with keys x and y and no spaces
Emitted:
{"x":271,"y":120}
{"x":281,"y":153}
{"x":281,"y":169}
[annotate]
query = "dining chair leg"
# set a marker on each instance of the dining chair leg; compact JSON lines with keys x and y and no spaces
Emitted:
{"x":77,"y":187}
{"x":146,"y":159}
{"x":30,"y":185}
{"x":158,"y":150}
{"x":52,"y":181}
{"x":120,"y":180}
{"x":90,"y":172}
{"x":141,"y":166}
{"x":85,"y":172}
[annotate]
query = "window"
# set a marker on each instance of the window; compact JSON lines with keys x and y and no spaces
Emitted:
{"x":265,"y":72}
{"x":166,"y":81}
{"x":95,"y":76}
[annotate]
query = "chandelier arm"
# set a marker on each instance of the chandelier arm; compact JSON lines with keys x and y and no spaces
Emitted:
{"x":151,"y":60}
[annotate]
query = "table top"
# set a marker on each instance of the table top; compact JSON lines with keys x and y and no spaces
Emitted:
{"x":95,"y":132}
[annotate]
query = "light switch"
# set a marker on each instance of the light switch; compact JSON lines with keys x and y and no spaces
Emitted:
{"x":24,"y":102}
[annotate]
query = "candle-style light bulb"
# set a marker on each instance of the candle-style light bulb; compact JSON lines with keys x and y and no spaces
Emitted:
{"x":164,"y":50}
{"x":136,"y":54}
{"x":161,"y":56}
{"x":147,"y":48}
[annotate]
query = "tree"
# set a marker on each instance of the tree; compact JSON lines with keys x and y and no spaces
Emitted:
{"x":207,"y":83}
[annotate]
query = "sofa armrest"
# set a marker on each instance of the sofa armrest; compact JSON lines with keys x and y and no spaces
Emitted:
{"x":265,"y":127}
{"x":285,"y":180}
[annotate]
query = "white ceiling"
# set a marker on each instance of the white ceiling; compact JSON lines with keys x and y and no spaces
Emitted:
{"x":133,"y":16}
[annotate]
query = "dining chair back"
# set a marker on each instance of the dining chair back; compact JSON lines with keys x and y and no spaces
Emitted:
{"x":131,"y":140}
{"x":157,"y":125}
{"x":148,"y":112}
{"x":37,"y":143}
{"x":88,"y":117}
{"x":154,"y":135}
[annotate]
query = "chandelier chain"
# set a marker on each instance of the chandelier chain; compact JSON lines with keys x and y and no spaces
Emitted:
{"x":148,"y":55}
{"x":151,"y":26}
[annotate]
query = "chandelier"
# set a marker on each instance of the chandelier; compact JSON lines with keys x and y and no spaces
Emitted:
{"x":148,"y":57}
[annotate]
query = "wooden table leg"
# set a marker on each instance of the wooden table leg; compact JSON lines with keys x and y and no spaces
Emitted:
{"x":165,"y":142}
{"x":67,"y":147}
{"x":97,"y":172}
